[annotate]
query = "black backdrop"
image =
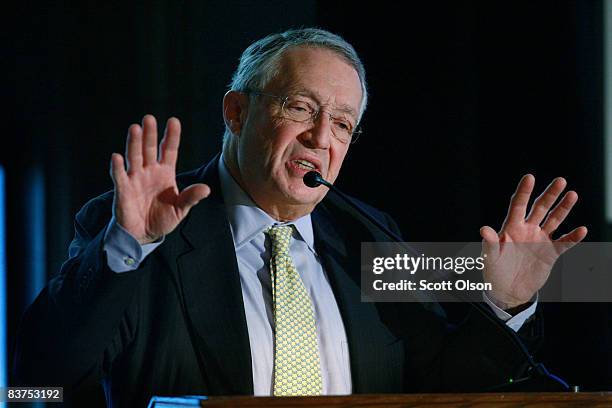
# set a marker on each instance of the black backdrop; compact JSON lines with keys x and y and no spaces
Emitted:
{"x":465,"y":98}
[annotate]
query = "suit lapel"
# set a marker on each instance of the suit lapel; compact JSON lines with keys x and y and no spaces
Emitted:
{"x":375,"y":354}
{"x":210,"y":281}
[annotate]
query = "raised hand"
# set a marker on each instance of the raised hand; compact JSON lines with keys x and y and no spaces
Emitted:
{"x":521,"y":256}
{"x":147,"y":202}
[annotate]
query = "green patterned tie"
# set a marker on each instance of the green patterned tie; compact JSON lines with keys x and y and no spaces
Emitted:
{"x":297,"y":369}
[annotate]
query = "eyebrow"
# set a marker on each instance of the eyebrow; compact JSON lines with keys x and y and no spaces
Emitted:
{"x":306,"y":92}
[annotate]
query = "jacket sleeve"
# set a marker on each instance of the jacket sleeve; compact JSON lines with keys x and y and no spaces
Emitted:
{"x":78,"y":324}
{"x":471,"y":356}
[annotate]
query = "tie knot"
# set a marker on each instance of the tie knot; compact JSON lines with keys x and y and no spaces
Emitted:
{"x":280,"y":236}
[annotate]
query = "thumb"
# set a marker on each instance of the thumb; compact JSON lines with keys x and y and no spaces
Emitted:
{"x":192,"y":195}
{"x":490,"y":240}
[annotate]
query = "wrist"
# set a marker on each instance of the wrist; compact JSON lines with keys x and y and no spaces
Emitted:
{"x":149,"y":240}
{"x":141,"y":239}
{"x":511,"y":307}
{"x":503,"y":303}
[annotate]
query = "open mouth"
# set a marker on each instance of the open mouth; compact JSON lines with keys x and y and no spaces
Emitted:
{"x":304,"y":164}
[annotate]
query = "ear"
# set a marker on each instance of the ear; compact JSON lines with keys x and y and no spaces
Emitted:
{"x":235,"y":109}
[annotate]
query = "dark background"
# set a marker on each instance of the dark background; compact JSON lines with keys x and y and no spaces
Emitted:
{"x":466,"y":97}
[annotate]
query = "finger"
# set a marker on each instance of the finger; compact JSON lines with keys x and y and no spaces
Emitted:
{"x":149,"y":140}
{"x":570,"y":239}
{"x":192,"y":195}
{"x":133,"y":149}
{"x":520,"y":199}
{"x":489,"y":235}
{"x":490,"y":240}
{"x":170,"y":143}
{"x":117,"y":170}
{"x":545,"y":201}
{"x":560,"y":212}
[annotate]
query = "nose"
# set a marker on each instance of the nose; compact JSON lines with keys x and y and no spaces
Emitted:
{"x":318,"y":135}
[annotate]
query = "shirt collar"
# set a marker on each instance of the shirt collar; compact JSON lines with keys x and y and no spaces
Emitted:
{"x":247,"y":220}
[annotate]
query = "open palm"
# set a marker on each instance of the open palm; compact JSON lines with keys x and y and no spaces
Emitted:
{"x":147,"y":202}
{"x":520,"y":257}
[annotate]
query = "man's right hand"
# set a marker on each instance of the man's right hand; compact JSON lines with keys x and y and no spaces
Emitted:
{"x":147,"y":202}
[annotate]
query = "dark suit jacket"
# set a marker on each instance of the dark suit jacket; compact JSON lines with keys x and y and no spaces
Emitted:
{"x":177,"y":324}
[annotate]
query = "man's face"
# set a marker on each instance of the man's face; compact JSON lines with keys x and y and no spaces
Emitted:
{"x":274,"y":153}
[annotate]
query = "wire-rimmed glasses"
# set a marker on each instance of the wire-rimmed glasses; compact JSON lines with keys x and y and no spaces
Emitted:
{"x":302,"y":109}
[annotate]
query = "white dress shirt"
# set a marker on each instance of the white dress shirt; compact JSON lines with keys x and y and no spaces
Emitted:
{"x":248,"y":223}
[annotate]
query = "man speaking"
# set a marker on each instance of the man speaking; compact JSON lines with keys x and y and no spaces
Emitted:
{"x":237,"y":278}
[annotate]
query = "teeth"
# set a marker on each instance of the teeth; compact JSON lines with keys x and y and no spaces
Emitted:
{"x":305,"y":164}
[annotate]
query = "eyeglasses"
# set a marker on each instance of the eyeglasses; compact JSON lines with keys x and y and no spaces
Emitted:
{"x":299,"y":108}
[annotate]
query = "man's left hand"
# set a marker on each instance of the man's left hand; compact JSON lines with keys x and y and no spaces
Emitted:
{"x":520,"y":257}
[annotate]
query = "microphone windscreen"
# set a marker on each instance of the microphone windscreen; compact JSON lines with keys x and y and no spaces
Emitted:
{"x":312,"y":179}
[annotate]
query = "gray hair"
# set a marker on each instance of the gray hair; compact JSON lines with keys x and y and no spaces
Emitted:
{"x":259,"y":63}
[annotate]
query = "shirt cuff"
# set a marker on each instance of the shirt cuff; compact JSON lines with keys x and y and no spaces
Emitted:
{"x":514,"y":322}
{"x":123,"y":252}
